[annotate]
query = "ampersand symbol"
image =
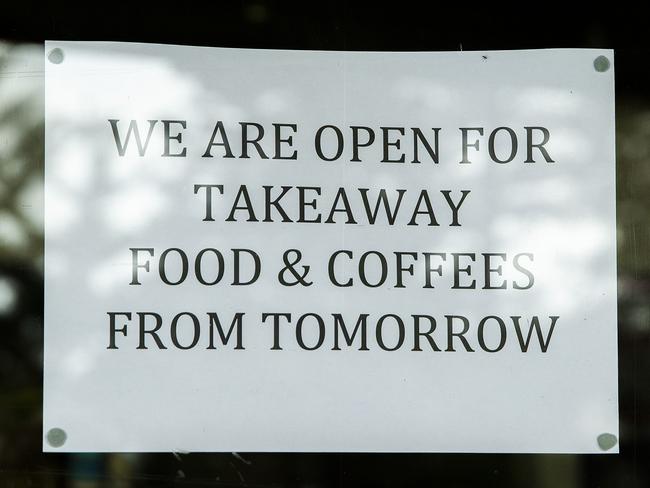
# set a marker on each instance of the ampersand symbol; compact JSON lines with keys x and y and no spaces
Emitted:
{"x":291,"y":258}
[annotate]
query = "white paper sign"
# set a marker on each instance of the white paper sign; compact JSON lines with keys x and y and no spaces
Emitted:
{"x":254,"y":250}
